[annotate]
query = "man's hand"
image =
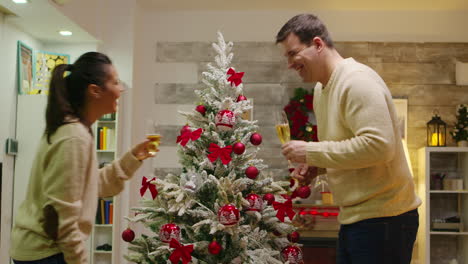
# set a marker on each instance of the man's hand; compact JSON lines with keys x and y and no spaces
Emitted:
{"x":295,"y":151}
{"x":304,"y":173}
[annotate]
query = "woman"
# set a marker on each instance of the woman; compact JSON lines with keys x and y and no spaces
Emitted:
{"x":57,"y":216}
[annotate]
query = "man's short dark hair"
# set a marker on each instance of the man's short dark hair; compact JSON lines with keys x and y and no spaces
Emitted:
{"x":306,"y":27}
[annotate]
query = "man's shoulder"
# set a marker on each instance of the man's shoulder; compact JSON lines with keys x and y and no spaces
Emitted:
{"x":354,"y":67}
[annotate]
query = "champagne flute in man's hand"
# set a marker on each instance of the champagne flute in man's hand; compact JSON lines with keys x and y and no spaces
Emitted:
{"x":282,"y":129}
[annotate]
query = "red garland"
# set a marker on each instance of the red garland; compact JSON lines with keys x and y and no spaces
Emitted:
{"x":218,"y":152}
{"x":236,"y":77}
{"x":145,"y":184}
{"x":298,"y":110}
{"x":187,"y":134}
{"x":181,"y":252}
{"x":284,"y":209}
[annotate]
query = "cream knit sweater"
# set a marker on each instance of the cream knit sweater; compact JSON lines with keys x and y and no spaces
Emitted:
{"x":65,"y":175}
{"x":360,"y":145}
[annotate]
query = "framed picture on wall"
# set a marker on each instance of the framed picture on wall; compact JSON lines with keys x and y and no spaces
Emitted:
{"x":45,"y":62}
{"x":25,"y":69}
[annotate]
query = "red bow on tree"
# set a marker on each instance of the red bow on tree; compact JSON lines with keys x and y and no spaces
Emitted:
{"x":236,"y":77}
{"x":145,"y":184}
{"x":217,"y":152}
{"x":284,"y":209}
{"x":187,"y":135}
{"x":181,"y":252}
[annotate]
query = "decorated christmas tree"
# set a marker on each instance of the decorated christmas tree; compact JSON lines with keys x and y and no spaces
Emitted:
{"x":223,"y":207}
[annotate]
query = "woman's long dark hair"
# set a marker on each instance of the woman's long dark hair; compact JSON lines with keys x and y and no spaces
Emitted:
{"x":67,"y":94}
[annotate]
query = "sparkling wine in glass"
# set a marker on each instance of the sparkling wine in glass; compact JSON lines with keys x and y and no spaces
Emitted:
{"x":282,"y":127}
{"x":153,"y":134}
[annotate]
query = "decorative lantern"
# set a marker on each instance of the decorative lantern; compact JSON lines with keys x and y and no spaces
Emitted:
{"x":436,"y":131}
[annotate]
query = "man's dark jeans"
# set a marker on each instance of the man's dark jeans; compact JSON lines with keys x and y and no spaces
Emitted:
{"x":55,"y":259}
{"x":378,"y":240}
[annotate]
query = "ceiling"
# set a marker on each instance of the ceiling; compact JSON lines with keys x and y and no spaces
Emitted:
{"x":40,"y":19}
{"x":306,"y":5}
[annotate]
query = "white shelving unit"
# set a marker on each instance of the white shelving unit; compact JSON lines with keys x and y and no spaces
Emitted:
{"x":103,"y":233}
{"x":442,"y":245}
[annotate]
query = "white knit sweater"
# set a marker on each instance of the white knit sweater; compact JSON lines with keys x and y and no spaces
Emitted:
{"x":360,"y":145}
{"x":65,"y":175}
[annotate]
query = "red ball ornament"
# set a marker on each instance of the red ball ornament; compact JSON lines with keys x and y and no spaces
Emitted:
{"x":277,"y":233}
{"x":241,"y":97}
{"x":201,"y":109}
{"x":294,"y":194}
{"x":270,"y":198}
{"x":214,"y":248}
{"x":251,"y":172}
{"x":238,"y":148}
{"x":256,"y":139}
{"x":185,"y":129}
{"x":228,"y":215}
{"x":225,"y":120}
{"x":303,"y":192}
{"x":255,"y":201}
{"x":294,"y":237}
{"x":168,"y":232}
{"x":128,"y":235}
{"x":292,"y":254}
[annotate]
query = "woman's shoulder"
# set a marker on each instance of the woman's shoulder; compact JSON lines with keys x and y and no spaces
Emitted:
{"x":74,"y":130}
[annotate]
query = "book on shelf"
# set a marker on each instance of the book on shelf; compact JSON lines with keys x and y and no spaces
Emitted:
{"x":105,"y":138}
{"x":108,"y":117}
{"x":105,"y":211}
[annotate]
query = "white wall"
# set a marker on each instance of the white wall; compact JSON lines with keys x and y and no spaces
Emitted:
{"x":348,"y":25}
{"x":74,"y":50}
{"x":9,"y":35}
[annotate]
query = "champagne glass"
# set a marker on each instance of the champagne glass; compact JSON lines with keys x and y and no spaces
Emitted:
{"x":153,"y":134}
{"x":282,"y":129}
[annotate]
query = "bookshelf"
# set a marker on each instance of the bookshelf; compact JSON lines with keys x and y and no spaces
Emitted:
{"x":443,"y":215}
{"x":101,"y":243}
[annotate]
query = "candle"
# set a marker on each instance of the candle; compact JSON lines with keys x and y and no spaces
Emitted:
{"x":437,"y":139}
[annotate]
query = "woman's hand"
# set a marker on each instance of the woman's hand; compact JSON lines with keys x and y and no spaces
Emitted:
{"x":141,"y":151}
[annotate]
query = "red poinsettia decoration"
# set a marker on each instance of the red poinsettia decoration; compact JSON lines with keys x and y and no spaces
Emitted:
{"x":298,"y":110}
{"x":236,"y":77}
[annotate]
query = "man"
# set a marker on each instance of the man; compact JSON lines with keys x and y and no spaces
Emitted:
{"x":360,"y":146}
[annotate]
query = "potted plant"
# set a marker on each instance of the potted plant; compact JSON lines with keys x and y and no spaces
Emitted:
{"x":460,"y":129}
